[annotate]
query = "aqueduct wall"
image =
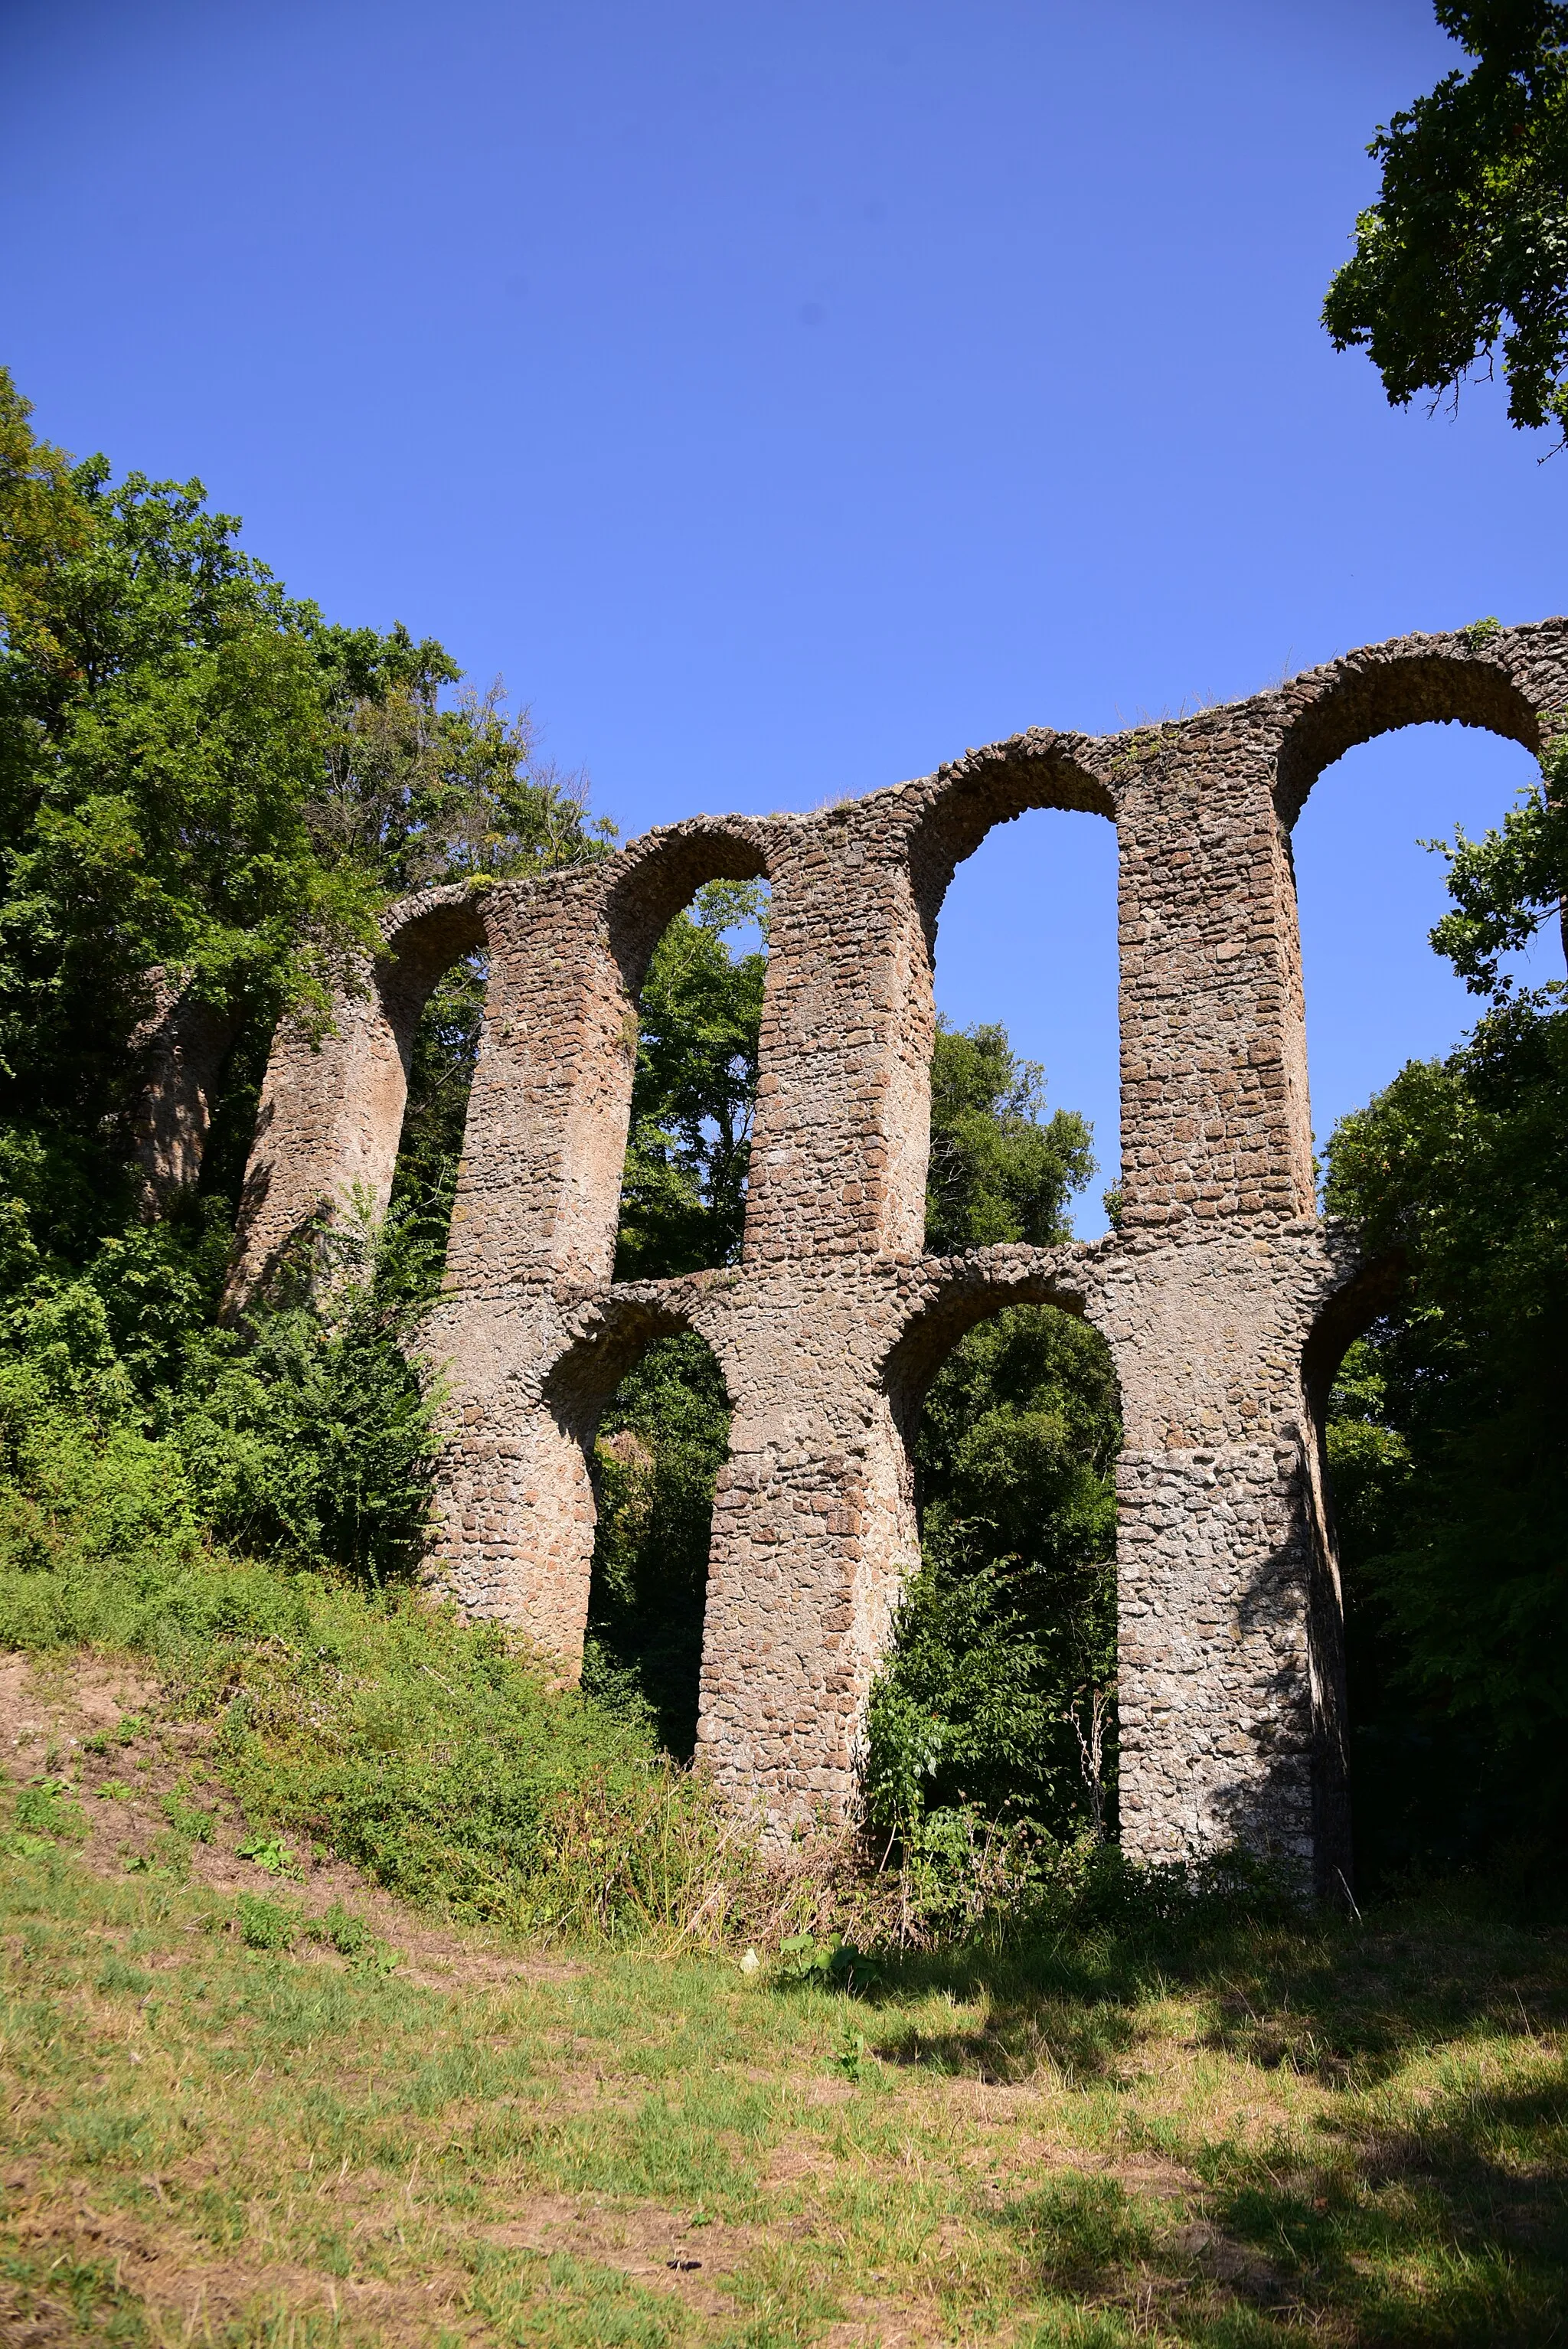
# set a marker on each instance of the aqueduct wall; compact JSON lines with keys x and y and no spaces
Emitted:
{"x":1224,"y":1300}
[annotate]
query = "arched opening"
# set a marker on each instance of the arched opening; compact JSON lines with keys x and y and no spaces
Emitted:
{"x":1438,"y":1120}
{"x":1370,"y":892}
{"x":694,"y":1089}
{"x":997,"y":1701}
{"x":640,"y":1398}
{"x":1016,"y":875}
{"x":662,"y":1440}
{"x":441,"y":1056}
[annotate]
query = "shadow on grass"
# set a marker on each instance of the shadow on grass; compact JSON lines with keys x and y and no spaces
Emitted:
{"x":1346,"y":2003}
{"x":1419,"y":2196}
{"x":1022,"y":2038}
{"x":1452,"y":2226}
{"x":1411,"y":2242}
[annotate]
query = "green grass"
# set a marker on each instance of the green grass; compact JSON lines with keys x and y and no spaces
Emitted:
{"x":541,"y":2103}
{"x":437,"y":1755}
{"x":1268,"y":2135}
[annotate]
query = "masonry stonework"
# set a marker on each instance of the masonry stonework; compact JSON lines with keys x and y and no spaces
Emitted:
{"x":1224,"y":1303}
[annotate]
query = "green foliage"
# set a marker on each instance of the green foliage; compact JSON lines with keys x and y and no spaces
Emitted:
{"x":1448,"y":1445}
{"x":420,"y":794}
{"x":129,"y":1425}
{"x":340,"y":1929}
{"x":162,"y":732}
{"x":437,"y":1755}
{"x":1507,"y":883}
{"x":49,"y":1806}
{"x":683,"y":1196}
{"x":1466,"y":247}
{"x":993,"y":1702}
{"x":1007,"y":1638}
{"x":440,"y":1073}
{"x":310,"y":1434}
{"x":269,"y":1854}
{"x":202,"y":781}
{"x":204,"y":784}
{"x":661,"y":1446}
{"x":265,"y":1924}
{"x":999,"y":1170}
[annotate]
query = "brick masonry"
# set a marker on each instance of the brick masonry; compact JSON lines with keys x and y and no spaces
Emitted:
{"x":1224,"y":1301}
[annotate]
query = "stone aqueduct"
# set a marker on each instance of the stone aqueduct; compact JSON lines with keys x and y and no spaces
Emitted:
{"x":1225,"y":1302}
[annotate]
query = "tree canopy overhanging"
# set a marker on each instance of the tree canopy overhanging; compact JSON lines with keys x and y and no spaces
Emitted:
{"x":1464,"y":256}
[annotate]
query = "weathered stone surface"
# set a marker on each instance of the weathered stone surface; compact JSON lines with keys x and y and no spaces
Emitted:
{"x":177,"y":1053}
{"x":1223,"y":1301}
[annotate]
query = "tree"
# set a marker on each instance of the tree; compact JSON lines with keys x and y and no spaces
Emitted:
{"x":997,"y":1171}
{"x":203,"y":784}
{"x":1007,"y":1637}
{"x":1446,"y":1437}
{"x":1507,"y":885}
{"x":1466,"y":247}
{"x":683,"y":1196}
{"x":206,"y":787}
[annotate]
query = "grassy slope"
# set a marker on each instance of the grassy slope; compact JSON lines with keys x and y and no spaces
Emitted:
{"x":1355,"y":2133}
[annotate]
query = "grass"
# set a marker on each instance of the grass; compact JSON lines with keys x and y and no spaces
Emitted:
{"x":435,"y":1754}
{"x":360,"y":1988}
{"x":237,"y":2118}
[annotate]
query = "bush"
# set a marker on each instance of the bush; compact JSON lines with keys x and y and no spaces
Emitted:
{"x":993,"y":1699}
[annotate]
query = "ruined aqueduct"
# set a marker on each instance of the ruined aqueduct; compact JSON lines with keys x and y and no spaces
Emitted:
{"x":1225,"y":1302}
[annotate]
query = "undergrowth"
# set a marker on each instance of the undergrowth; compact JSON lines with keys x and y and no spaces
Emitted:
{"x":443,"y":1759}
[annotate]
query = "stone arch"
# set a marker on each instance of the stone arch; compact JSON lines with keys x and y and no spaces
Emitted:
{"x":646,"y":1595}
{"x":950,"y":817}
{"x":957,"y":1295}
{"x":954,"y":1296}
{"x":518,"y":1510}
{"x":1442,"y":680}
{"x":1346,"y":1313}
{"x":332,"y":1107}
{"x":651,"y":884}
{"x":607,"y":1338}
{"x":960,"y":1292}
{"x":663,"y":873}
{"x":1501,"y":681}
{"x":1216,"y":1294}
{"x":965,"y":801}
{"x":425,"y":936}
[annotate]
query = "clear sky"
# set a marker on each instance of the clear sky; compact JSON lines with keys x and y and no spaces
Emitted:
{"x":783,"y":395}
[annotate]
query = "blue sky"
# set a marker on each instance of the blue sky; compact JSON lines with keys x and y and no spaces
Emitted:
{"x":783,"y":395}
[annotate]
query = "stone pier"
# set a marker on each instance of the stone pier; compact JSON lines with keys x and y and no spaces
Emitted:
{"x":1224,"y":1301}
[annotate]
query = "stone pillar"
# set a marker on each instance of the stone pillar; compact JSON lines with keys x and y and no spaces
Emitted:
{"x":515,"y":1514}
{"x":813,"y":1536}
{"x":539,"y":1184}
{"x":1224,"y":1694}
{"x":843,"y":1106}
{"x":332,"y":1106}
{"x":533,"y":1231}
{"x":814,"y":1528}
{"x":1207,"y":1306}
{"x":1214,"y":1113}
